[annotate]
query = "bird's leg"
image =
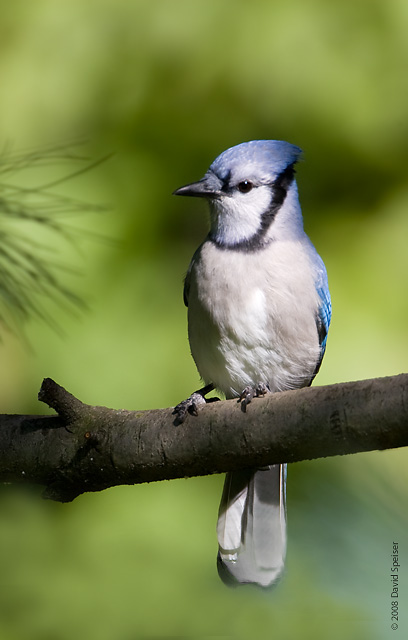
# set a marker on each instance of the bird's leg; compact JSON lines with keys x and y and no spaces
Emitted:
{"x":193,"y":403}
{"x":247,"y":395}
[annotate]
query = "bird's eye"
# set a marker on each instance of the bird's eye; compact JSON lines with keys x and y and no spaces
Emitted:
{"x":245,"y":186}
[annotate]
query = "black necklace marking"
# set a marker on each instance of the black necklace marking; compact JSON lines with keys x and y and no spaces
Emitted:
{"x":280,"y":189}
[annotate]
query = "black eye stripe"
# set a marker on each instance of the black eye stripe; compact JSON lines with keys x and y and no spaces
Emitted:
{"x":245,"y":186}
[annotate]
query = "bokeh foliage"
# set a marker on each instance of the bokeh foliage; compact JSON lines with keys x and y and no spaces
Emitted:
{"x":166,"y":86}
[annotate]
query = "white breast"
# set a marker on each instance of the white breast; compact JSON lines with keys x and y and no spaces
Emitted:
{"x":252,"y":317}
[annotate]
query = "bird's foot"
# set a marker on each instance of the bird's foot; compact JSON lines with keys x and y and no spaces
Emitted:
{"x":192,"y":404}
{"x":249,"y":393}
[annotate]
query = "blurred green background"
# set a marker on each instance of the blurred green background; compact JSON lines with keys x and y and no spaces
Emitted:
{"x":167,"y":86}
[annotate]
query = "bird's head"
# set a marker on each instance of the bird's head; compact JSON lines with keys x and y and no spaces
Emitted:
{"x":246,"y":186}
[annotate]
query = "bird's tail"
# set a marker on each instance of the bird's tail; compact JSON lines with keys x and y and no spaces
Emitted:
{"x":251,"y":526}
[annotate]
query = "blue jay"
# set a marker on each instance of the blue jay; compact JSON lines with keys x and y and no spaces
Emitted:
{"x":258,"y":314}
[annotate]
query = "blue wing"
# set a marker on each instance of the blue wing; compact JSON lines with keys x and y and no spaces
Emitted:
{"x":324,"y":311}
{"x":323,"y":316}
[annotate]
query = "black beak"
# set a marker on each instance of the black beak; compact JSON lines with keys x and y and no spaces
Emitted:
{"x":205,"y":188}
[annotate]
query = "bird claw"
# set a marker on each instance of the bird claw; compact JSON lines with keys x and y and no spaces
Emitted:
{"x":246,"y":397}
{"x":262,"y":389}
{"x":249,"y":393}
{"x":191,"y":405}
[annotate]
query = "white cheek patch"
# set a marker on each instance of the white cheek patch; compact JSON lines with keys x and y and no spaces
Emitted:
{"x":258,"y":199}
{"x":237,"y":218}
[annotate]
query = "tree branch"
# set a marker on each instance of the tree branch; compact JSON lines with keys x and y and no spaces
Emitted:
{"x":86,"y":448}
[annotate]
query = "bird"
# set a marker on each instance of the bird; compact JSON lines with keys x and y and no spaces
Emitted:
{"x":259,"y":311}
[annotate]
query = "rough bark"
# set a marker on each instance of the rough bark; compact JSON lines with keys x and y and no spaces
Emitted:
{"x":87,"y":448}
